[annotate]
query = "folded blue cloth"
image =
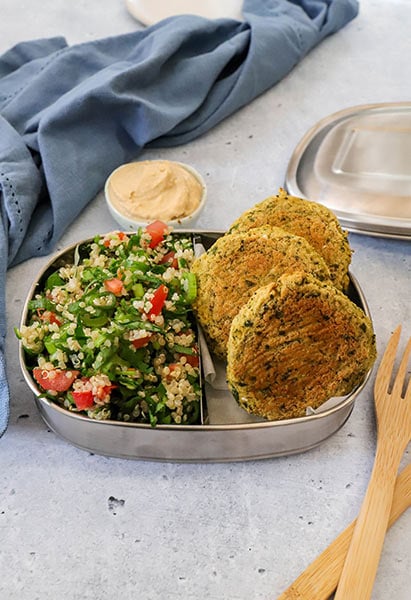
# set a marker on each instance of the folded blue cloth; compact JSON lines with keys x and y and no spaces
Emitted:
{"x":70,"y":114}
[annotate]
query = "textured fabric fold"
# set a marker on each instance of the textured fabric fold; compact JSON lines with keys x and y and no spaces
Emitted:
{"x":71,"y":114}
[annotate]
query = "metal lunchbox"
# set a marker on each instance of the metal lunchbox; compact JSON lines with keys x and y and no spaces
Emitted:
{"x":247,"y":439}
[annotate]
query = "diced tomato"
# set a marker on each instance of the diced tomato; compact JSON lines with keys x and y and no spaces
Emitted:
{"x":170,"y":257}
{"x":171,"y":367}
{"x":49,"y":316}
{"x":115,"y":286}
{"x":157,"y":301}
{"x":192,"y":359}
{"x":157,"y":231}
{"x":83,"y":400}
{"x":103,"y":390}
{"x":141,"y":342}
{"x":55,"y":380}
{"x":54,"y":319}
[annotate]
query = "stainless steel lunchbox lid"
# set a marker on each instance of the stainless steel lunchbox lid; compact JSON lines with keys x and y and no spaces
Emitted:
{"x":357,"y":163}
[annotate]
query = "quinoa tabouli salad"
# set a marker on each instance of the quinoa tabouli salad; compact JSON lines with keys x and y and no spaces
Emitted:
{"x":112,"y":335}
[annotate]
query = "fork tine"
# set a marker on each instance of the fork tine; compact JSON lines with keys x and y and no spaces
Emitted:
{"x":402,"y":371}
{"x":384,"y":371}
{"x":407,"y":394}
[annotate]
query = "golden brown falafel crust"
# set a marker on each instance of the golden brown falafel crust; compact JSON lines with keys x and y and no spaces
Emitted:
{"x":296,"y":343}
{"x":238,"y":264}
{"x":314,"y":222}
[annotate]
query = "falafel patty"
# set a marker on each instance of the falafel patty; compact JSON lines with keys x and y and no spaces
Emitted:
{"x":296,"y":343}
{"x":239,"y":263}
{"x":312,"y":221}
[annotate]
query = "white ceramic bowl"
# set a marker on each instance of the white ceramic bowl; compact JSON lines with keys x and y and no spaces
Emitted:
{"x":130,"y":224}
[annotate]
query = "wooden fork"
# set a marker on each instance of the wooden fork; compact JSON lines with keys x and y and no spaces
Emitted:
{"x":320,"y":578}
{"x":393,"y":411}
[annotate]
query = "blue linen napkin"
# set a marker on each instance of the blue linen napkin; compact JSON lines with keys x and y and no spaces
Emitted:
{"x":70,"y":114}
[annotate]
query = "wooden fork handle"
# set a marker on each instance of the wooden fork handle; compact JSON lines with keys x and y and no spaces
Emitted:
{"x":363,"y":556}
{"x":320,"y":578}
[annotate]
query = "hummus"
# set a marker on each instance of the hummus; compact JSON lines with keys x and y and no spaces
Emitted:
{"x":155,"y":189}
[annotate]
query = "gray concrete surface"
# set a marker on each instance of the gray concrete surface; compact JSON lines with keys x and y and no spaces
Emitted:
{"x":79,"y":526}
